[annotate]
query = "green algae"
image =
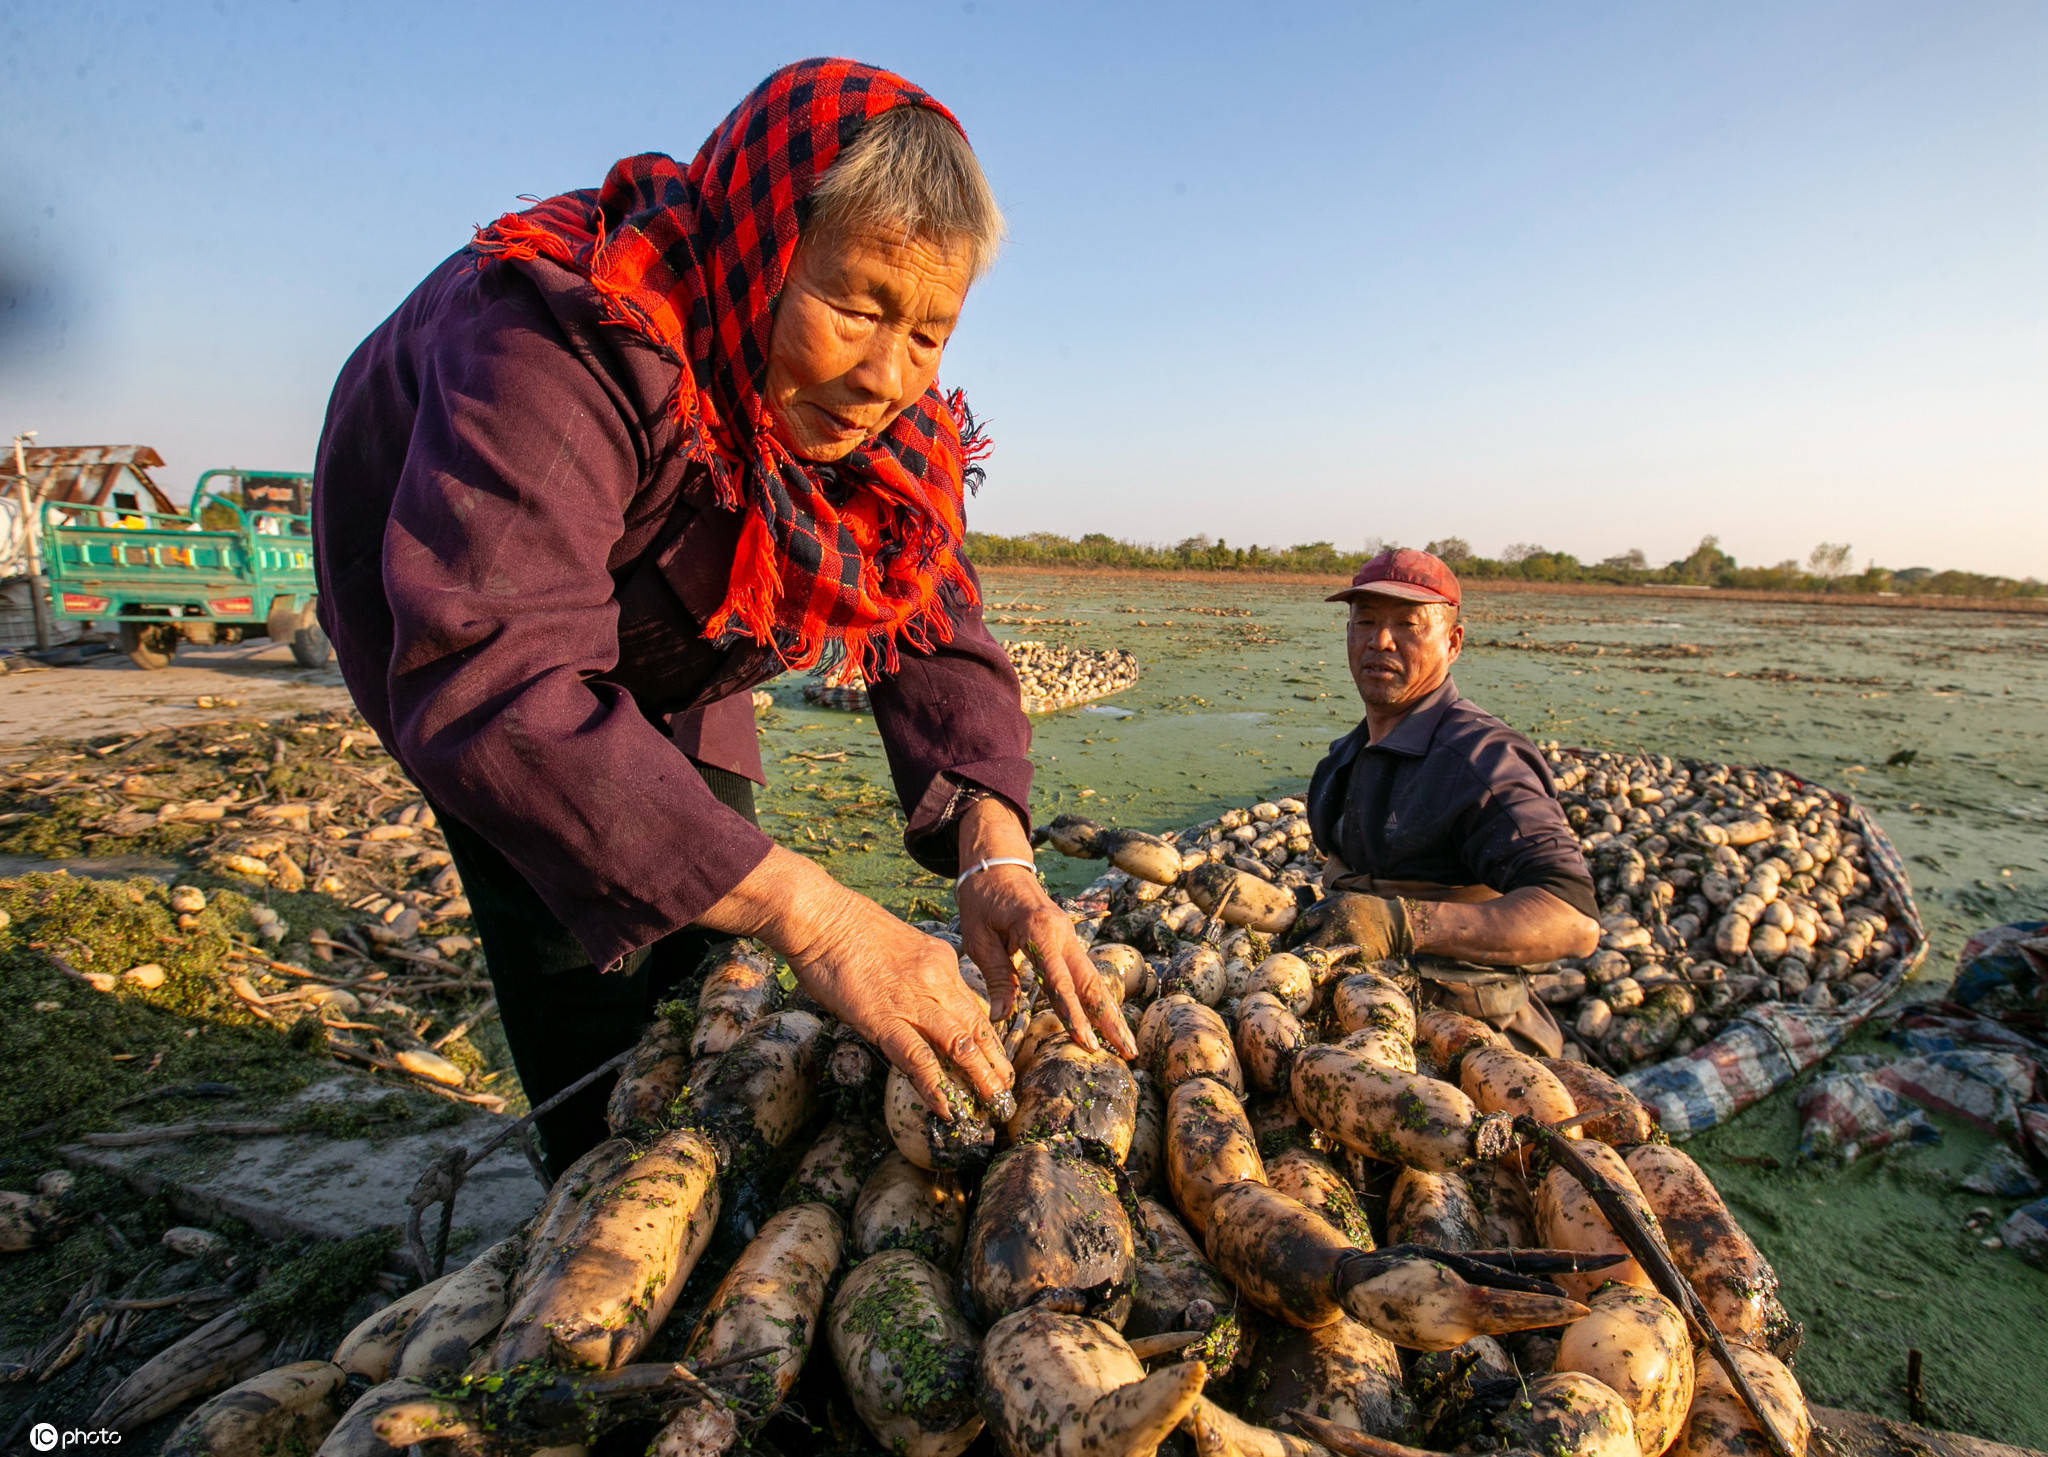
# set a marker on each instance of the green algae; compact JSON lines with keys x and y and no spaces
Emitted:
{"x":928,"y":1373}
{"x":317,"y":1285}
{"x":71,"y":1052}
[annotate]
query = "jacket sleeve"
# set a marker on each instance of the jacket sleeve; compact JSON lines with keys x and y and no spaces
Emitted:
{"x":1516,"y":834}
{"x":520,"y":469}
{"x":723,"y":735}
{"x":952,"y":719}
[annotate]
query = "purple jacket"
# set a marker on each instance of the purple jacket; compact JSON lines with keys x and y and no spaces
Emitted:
{"x":1452,"y":796}
{"x":514,"y":567}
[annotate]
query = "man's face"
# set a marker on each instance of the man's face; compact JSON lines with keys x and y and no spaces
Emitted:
{"x":1399,"y":651}
{"x":860,"y":328}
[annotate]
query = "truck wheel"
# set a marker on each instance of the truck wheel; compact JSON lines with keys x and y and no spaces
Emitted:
{"x":149,"y":644}
{"x":310,"y":647}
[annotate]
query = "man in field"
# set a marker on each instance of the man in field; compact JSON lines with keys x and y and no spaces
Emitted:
{"x":1442,"y":827}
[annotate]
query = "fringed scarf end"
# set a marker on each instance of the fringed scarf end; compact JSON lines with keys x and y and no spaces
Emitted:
{"x":518,"y":238}
{"x":974,"y":442}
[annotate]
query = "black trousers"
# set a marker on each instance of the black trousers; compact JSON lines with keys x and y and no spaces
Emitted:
{"x":561,"y":1015}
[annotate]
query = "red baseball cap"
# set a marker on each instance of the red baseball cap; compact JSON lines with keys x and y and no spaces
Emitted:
{"x":1413,"y":576}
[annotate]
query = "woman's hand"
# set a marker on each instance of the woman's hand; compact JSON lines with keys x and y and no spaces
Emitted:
{"x":1005,"y":911}
{"x":896,"y":986}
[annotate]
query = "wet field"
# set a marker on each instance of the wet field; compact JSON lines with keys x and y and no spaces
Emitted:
{"x":1935,"y":720}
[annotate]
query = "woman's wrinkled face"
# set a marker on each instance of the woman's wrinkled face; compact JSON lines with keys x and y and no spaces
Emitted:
{"x":859,"y":329}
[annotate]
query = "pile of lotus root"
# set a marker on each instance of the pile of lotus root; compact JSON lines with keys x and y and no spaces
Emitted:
{"x":1313,"y":1218}
{"x":1719,"y":887}
{"x":1050,"y":677}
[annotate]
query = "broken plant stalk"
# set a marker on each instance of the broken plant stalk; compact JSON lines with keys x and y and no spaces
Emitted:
{"x":1345,"y":1442}
{"x":135,"y":1137}
{"x":442,"y":1179}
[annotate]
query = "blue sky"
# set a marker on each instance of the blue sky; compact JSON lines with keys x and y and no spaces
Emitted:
{"x":1592,"y":275}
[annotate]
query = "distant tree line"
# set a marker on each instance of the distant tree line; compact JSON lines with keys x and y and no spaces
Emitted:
{"x":1043,"y":548}
{"x":1829,"y":567}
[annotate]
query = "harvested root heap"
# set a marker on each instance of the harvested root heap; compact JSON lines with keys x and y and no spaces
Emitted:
{"x":1049,"y":677}
{"x":1303,"y":1224}
{"x":1054,"y":677}
{"x":1719,"y":888}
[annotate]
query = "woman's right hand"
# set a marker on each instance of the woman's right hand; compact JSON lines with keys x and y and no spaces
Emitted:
{"x":896,"y":986}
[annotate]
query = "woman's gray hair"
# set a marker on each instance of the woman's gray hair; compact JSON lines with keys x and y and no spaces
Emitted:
{"x":910,"y":169}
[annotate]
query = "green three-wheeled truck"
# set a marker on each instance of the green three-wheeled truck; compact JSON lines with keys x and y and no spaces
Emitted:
{"x":237,"y":564}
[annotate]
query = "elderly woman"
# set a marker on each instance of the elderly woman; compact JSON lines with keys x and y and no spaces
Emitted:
{"x":632,"y":452}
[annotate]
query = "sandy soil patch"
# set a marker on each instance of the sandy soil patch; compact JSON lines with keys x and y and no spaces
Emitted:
{"x":109,"y":694}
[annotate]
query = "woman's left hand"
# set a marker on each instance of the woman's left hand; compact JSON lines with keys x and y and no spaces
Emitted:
{"x":1004,"y":911}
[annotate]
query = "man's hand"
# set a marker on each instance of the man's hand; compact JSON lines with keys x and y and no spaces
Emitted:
{"x":1004,"y":911}
{"x":1526,"y":927}
{"x":1376,"y":925}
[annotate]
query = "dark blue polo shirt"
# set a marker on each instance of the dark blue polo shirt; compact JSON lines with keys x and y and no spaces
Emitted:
{"x":1452,"y":796}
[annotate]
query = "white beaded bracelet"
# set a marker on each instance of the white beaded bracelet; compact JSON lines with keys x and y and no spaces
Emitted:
{"x":994,"y":860}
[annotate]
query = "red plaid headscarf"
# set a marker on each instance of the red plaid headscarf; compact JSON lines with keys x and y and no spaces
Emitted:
{"x":853,"y":554}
